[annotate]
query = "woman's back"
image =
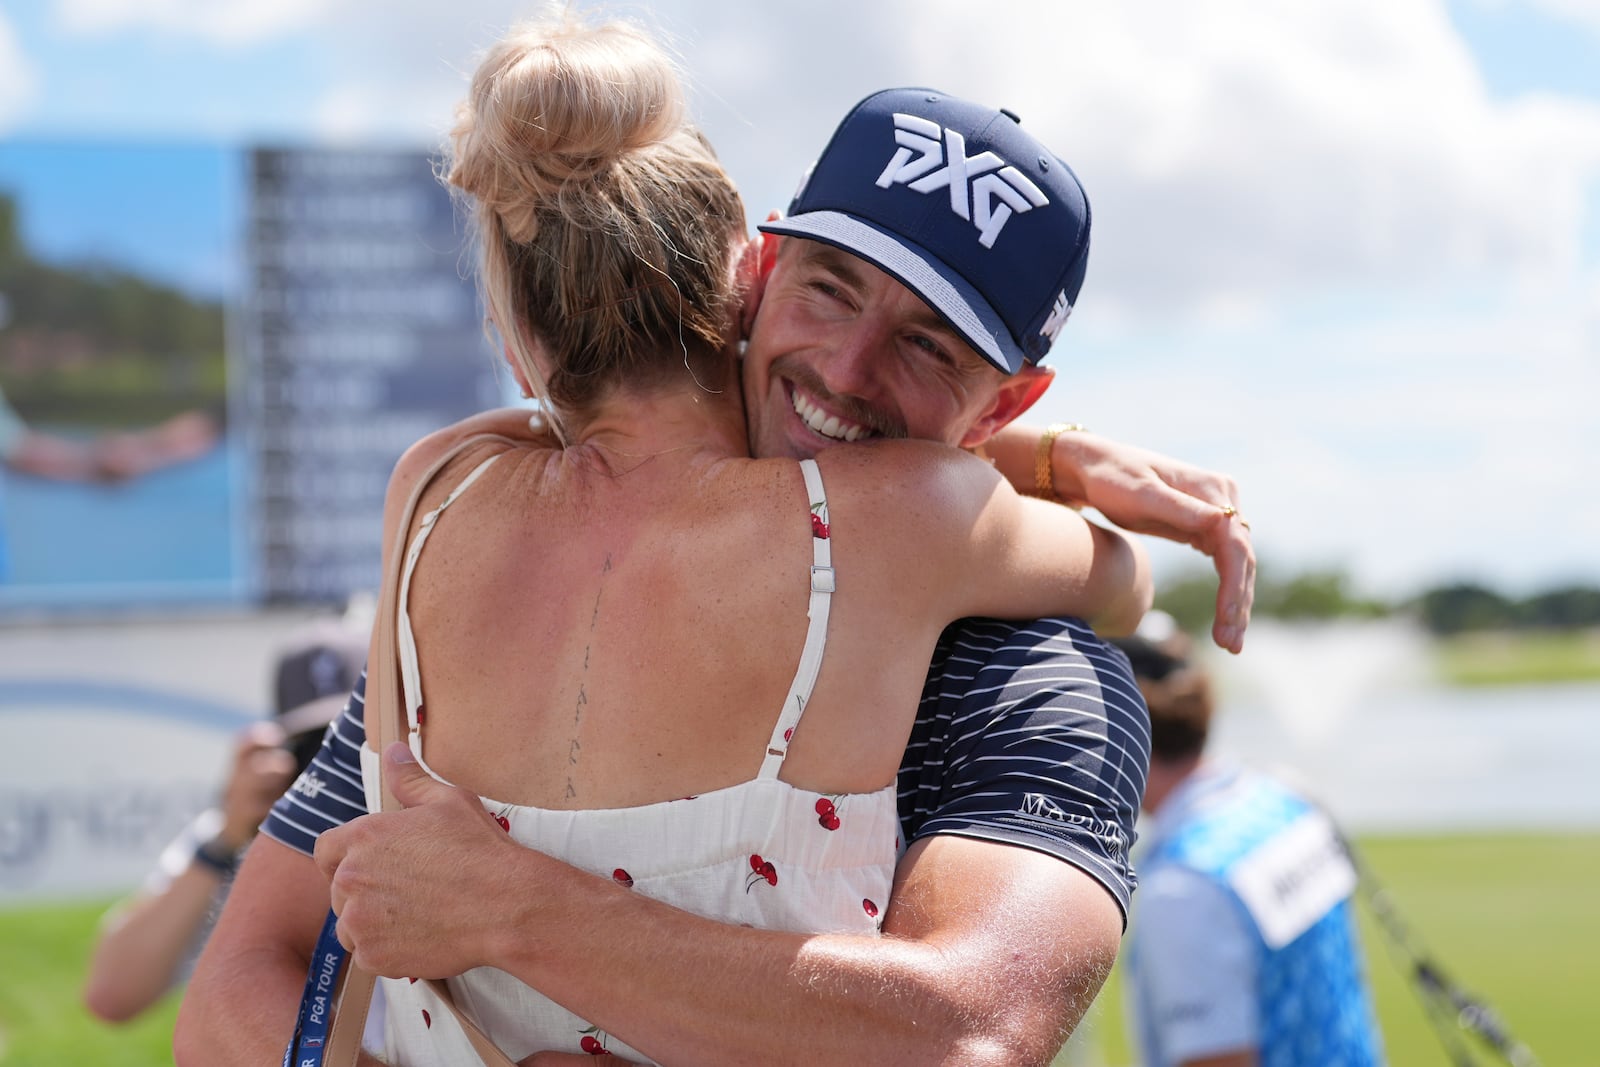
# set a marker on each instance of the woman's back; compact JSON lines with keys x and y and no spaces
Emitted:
{"x":597,"y":634}
{"x":631,"y":744}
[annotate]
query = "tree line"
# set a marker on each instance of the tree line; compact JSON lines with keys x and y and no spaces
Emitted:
{"x":1452,"y":608}
{"x":98,"y":344}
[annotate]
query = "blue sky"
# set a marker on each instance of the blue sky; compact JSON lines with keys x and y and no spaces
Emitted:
{"x":1346,"y":250}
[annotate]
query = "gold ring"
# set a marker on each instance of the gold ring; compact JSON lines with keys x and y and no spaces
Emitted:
{"x":1230,"y":512}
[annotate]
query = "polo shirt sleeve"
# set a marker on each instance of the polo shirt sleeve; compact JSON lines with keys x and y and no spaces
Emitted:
{"x":1031,"y":734}
{"x":1197,"y":966}
{"x":328,"y":793}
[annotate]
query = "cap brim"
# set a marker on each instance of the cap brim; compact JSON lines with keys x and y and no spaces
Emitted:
{"x":314,"y":714}
{"x":942,"y":289}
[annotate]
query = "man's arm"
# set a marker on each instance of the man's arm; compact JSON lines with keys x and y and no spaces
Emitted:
{"x":992,"y":952}
{"x":1147,"y":493}
{"x":241,"y":1003}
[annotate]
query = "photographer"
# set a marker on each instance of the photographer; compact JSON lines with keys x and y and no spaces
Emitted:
{"x":149,"y":942}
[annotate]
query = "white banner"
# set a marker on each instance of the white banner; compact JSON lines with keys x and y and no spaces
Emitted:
{"x":114,"y":736}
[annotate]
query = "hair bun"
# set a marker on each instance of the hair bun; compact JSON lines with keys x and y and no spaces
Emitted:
{"x":557,"y":103}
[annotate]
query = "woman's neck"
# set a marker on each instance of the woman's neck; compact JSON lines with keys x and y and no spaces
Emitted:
{"x":631,"y":427}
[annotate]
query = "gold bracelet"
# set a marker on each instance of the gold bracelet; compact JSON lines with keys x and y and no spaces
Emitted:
{"x":1044,"y":479}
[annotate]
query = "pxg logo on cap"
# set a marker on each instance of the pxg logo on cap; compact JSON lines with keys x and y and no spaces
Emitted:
{"x":958,"y":203}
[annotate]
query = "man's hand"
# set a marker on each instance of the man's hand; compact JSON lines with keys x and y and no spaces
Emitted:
{"x":1149,"y":493}
{"x":413,"y":889}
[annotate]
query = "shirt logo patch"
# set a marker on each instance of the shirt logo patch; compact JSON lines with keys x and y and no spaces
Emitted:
{"x":1041,"y":807}
{"x":984,"y":188}
{"x":308,"y":785}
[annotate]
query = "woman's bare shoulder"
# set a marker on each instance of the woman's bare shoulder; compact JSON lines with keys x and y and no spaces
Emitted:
{"x":898,"y":473}
{"x":464,"y":444}
{"x":504,"y":428}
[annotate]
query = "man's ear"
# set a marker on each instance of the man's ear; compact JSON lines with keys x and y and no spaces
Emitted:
{"x":760,"y":255}
{"x":1016,"y":394}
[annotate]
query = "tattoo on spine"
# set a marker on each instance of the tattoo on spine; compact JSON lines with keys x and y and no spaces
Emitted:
{"x":576,"y":747}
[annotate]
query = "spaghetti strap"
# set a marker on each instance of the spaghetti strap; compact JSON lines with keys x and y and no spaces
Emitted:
{"x":794,"y":705}
{"x":410,"y":672}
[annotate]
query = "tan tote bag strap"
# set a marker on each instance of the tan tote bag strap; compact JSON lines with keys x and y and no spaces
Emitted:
{"x":384,"y":712}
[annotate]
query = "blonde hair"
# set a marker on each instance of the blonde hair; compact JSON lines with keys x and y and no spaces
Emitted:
{"x":604,"y":221}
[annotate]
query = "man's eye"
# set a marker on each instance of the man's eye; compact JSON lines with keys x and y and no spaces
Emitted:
{"x":931,"y":347}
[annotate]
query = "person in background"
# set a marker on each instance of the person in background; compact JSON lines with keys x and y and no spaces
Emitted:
{"x":1243,"y":947}
{"x":149,"y":943}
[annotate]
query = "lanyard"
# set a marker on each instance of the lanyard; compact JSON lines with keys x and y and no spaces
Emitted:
{"x":316,"y":1003}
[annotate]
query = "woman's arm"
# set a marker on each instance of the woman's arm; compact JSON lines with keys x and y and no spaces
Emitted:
{"x":993,"y":551}
{"x":1029,"y":558}
{"x":241,"y":1003}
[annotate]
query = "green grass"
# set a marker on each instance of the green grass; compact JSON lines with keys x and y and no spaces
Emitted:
{"x":43,"y":952}
{"x":1510,"y":917}
{"x":1521,"y":658}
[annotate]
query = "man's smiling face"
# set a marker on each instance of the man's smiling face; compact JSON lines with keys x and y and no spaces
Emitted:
{"x":839,"y":351}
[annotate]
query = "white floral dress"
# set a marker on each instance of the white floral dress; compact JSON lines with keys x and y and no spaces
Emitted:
{"x":762,"y":853}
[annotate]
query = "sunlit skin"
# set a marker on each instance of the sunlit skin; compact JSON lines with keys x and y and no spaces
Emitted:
{"x":841,"y":351}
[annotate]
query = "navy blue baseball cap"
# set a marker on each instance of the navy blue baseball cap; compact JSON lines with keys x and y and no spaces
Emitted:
{"x":967,"y":210}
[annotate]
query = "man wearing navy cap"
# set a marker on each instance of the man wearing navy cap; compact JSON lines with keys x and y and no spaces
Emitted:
{"x":927,"y":265}
{"x":926,"y":187}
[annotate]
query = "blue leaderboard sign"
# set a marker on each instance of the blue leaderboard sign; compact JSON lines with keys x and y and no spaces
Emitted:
{"x":361,"y":332}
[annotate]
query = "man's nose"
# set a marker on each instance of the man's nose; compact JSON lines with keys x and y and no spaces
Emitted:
{"x":856,"y":359}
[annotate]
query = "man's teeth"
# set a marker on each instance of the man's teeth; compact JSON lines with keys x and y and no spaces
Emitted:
{"x":825,"y":424}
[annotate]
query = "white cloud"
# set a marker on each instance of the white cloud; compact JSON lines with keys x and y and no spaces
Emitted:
{"x":1237,"y":155}
{"x":1444,"y":439}
{"x":1241,"y":153}
{"x":17,"y":77}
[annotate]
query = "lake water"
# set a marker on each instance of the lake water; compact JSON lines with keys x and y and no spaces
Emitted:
{"x":175,"y":536}
{"x":1349,"y":708}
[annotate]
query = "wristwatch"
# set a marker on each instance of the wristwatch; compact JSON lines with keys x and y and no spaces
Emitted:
{"x":217,"y":857}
